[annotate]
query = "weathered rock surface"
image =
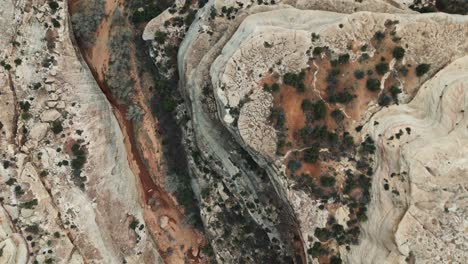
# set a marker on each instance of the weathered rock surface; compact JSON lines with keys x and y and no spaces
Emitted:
{"x":424,"y":220}
{"x":412,"y":216}
{"x":65,"y":181}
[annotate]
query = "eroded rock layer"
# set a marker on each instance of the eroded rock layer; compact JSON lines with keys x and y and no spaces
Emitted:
{"x":333,"y":105}
{"x":66,"y":182}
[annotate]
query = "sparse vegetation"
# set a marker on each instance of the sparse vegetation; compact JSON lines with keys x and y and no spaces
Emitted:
{"x":379,"y":35}
{"x":359,"y":74}
{"x":311,"y":155}
{"x":381,"y":68}
{"x":295,"y":80}
{"x":422,"y":69}
{"x":373,"y":84}
{"x":56,"y":126}
{"x":77,"y":164}
{"x":160,"y":37}
{"x":398,"y":53}
{"x":34,"y":229}
{"x":86,"y":20}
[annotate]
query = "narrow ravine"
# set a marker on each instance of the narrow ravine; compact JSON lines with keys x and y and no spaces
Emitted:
{"x":176,"y":240}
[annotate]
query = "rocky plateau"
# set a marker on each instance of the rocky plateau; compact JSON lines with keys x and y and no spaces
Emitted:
{"x":223,"y":131}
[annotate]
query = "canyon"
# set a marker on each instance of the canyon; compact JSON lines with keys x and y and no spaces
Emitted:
{"x":222,"y":131}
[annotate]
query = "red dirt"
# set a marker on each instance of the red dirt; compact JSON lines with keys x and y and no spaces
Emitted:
{"x":183,"y":241}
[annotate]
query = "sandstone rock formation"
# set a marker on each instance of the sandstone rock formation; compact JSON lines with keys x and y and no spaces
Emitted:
{"x":65,"y":168}
{"x":234,"y":48}
{"x":299,"y":131}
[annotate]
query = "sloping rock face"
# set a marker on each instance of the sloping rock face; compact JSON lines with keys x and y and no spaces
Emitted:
{"x":68,"y":194}
{"x":409,"y":202}
{"x":421,"y":219}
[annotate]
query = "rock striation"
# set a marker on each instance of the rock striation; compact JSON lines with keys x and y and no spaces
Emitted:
{"x":65,"y":168}
{"x":233,"y":50}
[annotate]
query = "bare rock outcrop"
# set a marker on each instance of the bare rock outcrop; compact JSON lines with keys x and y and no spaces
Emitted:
{"x":235,"y":52}
{"x":421,"y":216}
{"x":66,"y":181}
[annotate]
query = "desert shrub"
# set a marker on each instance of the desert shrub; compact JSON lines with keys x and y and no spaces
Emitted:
{"x":317,"y":250}
{"x":56,"y":126}
{"x":312,"y":154}
{"x":359,"y":74}
{"x":307,"y":105}
{"x":320,"y":110}
{"x":5,"y":65}
{"x":278,"y":117}
{"x":348,"y":140}
{"x":335,"y":260}
{"x":367,"y":146}
{"x":294,"y":165}
{"x":364,"y":57}
{"x":10,"y":181}
{"x":398,"y":53}
{"x":379,"y":35}
{"x":188,"y":20}
{"x":133,"y":224}
{"x":134,"y":113}
{"x":317,"y":50}
{"x":343,"y":59}
{"x":384,"y":100}
{"x":295,"y":80}
{"x":337,"y":115}
{"x":26,"y":116}
{"x":452,"y":6}
{"x":25,"y":106}
{"x":34,"y":228}
{"x":271,"y":89}
{"x":18,"y":190}
{"x":342,"y":97}
{"x":150,"y":10}
{"x":381,"y":68}
{"x":373,"y":84}
{"x":169,"y":104}
{"x":160,"y":37}
{"x":422,"y":69}
{"x":394,"y":91}
{"x":86,"y":20}
{"x":29,"y":204}
{"x":322,"y":234}
{"x":119,"y":81}
{"x":55,"y":23}
{"x":275,"y":87}
{"x":327,"y":181}
{"x":77,"y":164}
{"x":53,"y":6}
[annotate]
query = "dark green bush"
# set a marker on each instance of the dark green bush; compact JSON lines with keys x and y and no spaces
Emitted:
{"x":373,"y":84}
{"x":56,"y":126}
{"x":295,"y":80}
{"x":381,"y":68}
{"x":307,"y":105}
{"x":294,"y":165}
{"x":343,"y":98}
{"x":379,"y":35}
{"x":320,"y":110}
{"x":384,"y":100}
{"x":160,"y":37}
{"x":422,"y":69}
{"x":343,"y":59}
{"x":398,"y":53}
{"x":394,"y":91}
{"x":359,"y":74}
{"x":312,"y":154}
{"x":327,"y":181}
